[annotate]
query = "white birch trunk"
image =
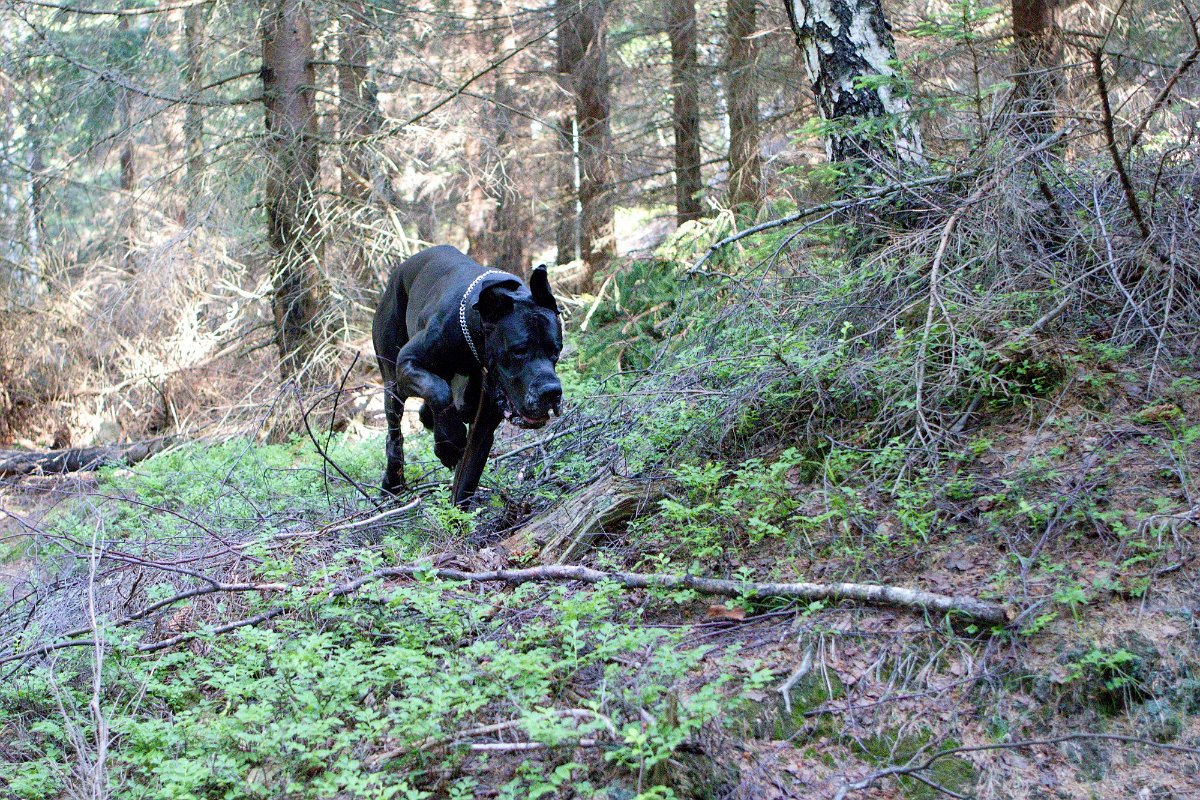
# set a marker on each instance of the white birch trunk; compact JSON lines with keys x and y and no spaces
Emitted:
{"x":844,"y":41}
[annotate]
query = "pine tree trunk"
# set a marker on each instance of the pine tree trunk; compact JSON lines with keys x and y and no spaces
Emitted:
{"x":686,"y":94}
{"x":1038,"y":56}
{"x":481,"y":201}
{"x":844,"y":41}
{"x":583,"y":67}
{"x":513,"y":223}
{"x":364,"y":179}
{"x":292,"y":174}
{"x":128,"y":164}
{"x":566,"y":234}
{"x":741,"y":89}
{"x":193,"y":119}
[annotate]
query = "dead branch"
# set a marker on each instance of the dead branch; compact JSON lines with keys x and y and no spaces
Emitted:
{"x":1135,"y":208}
{"x":836,"y":205}
{"x":20,"y":462}
{"x":979,"y":610}
{"x":960,"y":605}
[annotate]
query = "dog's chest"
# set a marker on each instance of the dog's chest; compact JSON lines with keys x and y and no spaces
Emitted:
{"x":458,"y":391}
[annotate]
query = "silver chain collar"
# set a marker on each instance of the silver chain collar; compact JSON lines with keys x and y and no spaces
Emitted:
{"x":462,"y":312}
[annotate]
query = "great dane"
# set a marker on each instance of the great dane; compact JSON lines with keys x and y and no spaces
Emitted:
{"x":477,"y":345}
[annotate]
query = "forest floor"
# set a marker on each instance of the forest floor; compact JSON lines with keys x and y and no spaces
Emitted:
{"x":247,"y":655}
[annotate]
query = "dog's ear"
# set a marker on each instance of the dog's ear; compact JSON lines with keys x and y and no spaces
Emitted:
{"x":539,"y":284}
{"x":495,"y":301}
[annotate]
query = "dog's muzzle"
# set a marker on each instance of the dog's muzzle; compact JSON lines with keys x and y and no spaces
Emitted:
{"x":550,"y":403}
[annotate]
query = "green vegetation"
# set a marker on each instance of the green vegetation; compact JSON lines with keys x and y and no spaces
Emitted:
{"x":785,"y":458}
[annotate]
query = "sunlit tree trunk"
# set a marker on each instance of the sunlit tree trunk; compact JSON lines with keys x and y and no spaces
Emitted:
{"x":583,"y":66}
{"x":1038,"y":55}
{"x":193,"y":118}
{"x":292,"y":174}
{"x":847,"y":47}
{"x":741,"y":90}
{"x":686,"y":96}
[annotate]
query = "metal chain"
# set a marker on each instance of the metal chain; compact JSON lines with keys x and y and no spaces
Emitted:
{"x":462,"y":312}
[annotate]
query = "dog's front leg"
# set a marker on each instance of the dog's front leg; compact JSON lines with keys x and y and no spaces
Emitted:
{"x":483,"y":434}
{"x":449,"y":430}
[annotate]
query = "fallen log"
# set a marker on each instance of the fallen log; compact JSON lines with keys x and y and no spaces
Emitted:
{"x":564,"y":532}
{"x":77,"y":459}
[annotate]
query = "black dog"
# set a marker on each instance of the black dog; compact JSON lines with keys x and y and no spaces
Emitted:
{"x":445,"y":322}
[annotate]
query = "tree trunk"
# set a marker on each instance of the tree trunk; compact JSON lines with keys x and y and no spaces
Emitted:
{"x":741,"y":89}
{"x":567,"y":229}
{"x":364,"y":177}
{"x":513,"y":223}
{"x":686,"y":93}
{"x":583,"y":68}
{"x":35,"y":214}
{"x":478,"y":158}
{"x":193,"y":118}
{"x":481,"y":206}
{"x":292,"y":174}
{"x":128,"y":179}
{"x":845,"y":41}
{"x":1037,"y":60}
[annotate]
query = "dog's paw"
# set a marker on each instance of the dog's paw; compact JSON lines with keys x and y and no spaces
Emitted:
{"x":449,"y":453}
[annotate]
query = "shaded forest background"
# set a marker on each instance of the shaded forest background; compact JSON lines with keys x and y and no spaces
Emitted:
{"x":186,"y":184}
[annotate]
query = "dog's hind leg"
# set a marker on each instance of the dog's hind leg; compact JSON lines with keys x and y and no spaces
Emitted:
{"x":390,"y":336}
{"x":393,"y":409}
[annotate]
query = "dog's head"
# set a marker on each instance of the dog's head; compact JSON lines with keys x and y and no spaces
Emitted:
{"x":522,"y":341}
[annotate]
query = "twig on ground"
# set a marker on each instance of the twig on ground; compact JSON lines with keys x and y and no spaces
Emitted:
{"x":797,"y":675}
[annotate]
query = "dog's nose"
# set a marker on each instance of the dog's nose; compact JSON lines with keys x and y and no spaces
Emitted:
{"x":550,"y":397}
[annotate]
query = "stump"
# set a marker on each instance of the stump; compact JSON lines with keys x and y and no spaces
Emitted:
{"x":564,"y":532}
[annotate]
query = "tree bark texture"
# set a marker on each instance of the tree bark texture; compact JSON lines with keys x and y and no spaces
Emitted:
{"x":478,"y":157}
{"x":844,"y":41}
{"x":1038,"y":56}
{"x":128,"y":163}
{"x":292,"y":174}
{"x":685,"y":91}
{"x":583,"y":68}
{"x":741,"y":90}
